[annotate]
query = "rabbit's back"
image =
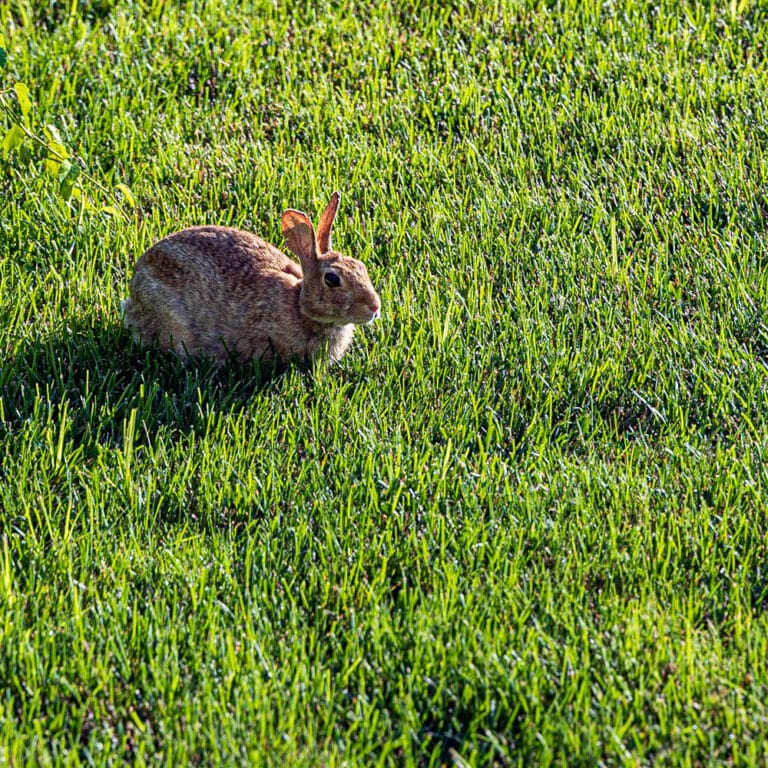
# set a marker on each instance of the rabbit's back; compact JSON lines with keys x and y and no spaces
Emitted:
{"x":228,"y":258}
{"x":213,"y":291}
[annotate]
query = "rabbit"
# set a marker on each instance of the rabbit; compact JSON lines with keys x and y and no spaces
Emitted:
{"x":217,"y":292}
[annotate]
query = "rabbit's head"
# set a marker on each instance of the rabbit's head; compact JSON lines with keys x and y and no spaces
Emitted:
{"x":336,"y":289}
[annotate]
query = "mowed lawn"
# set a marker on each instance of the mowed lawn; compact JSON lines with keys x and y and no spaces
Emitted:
{"x":523,"y":521}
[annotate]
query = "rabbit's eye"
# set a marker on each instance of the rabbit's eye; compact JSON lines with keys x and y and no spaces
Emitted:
{"x":332,"y":280}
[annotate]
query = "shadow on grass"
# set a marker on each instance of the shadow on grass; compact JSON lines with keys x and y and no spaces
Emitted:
{"x":101,"y":377}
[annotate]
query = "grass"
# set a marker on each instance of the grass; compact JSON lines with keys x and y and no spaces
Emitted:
{"x":524,"y":521}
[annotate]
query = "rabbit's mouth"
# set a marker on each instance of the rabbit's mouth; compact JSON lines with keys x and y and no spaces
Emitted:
{"x":365,"y":314}
{"x":373,"y":307}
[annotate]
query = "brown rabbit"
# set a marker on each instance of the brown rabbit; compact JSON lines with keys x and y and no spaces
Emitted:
{"x":215,"y":292}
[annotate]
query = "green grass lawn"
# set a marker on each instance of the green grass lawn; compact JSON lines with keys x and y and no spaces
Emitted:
{"x":524,"y":521}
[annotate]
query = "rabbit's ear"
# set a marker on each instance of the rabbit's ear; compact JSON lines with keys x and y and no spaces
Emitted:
{"x":326,"y":222}
{"x":300,"y":236}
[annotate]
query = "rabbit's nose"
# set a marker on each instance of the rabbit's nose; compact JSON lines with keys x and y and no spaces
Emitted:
{"x":374,"y":306}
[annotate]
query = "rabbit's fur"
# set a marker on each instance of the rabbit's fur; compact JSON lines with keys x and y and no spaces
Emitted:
{"x":216,"y":292}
